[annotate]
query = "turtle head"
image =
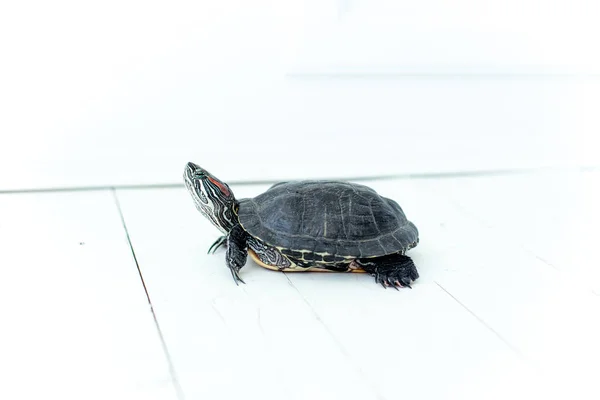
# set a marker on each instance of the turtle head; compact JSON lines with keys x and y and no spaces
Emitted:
{"x":212,"y":197}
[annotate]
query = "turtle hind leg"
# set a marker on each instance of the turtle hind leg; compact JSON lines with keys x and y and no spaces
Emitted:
{"x":394,"y":270}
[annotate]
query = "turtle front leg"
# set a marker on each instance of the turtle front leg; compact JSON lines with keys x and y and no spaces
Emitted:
{"x":394,"y":270}
{"x":237,"y":251}
{"x":218,"y":243}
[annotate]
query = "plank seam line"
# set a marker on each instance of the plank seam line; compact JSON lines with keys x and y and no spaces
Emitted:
{"x":482,"y":321}
{"x":335,"y":339}
{"x":164,"y":346}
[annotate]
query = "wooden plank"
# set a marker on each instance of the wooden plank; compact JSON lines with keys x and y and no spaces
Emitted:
{"x":75,"y":320}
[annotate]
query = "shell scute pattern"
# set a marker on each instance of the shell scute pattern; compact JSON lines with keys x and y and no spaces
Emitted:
{"x":327,"y":221}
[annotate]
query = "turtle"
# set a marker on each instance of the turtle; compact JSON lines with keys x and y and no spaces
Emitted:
{"x":308,"y":225}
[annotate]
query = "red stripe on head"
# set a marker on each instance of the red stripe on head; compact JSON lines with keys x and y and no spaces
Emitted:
{"x":221,"y":186}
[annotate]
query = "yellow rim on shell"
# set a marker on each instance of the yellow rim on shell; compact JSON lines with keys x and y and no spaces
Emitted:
{"x":298,"y":269}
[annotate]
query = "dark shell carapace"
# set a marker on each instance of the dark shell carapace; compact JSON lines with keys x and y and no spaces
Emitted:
{"x":329,"y":218}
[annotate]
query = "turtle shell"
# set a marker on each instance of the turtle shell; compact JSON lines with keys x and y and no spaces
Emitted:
{"x":327,"y":218}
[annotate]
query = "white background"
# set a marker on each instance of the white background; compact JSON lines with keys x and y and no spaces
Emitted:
{"x":126,"y":92}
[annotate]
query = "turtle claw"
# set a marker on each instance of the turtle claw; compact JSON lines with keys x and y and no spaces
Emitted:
{"x":405,"y":282}
{"x":392,"y":282}
{"x":386,"y":281}
{"x":218,"y":243}
{"x":395,"y":270}
{"x":236,"y":276}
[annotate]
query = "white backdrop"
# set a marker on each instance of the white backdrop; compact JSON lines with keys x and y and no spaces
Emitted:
{"x":126,"y":92}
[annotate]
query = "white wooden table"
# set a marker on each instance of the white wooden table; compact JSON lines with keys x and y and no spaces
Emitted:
{"x":110,"y":295}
